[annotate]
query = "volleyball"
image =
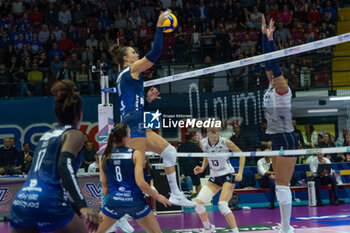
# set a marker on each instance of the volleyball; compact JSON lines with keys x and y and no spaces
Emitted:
{"x":170,"y":23}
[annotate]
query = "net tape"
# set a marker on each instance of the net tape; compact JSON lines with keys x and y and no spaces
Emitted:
{"x":248,"y":61}
{"x":330,"y":150}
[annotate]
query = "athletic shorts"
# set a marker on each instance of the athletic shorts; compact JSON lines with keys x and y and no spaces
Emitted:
{"x":137,"y":130}
{"x":220,"y":180}
{"x":41,"y":220}
{"x":285,"y":141}
{"x":136,"y":211}
{"x":196,"y":180}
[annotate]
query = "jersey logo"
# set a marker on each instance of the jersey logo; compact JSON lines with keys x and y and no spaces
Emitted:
{"x":5,"y":195}
{"x":90,"y":190}
{"x":151,"y":120}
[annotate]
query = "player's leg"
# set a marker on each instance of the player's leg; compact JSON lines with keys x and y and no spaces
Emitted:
{"x":159,"y":145}
{"x":225,"y":197}
{"x":205,"y":195}
{"x":149,"y":223}
{"x":76,"y":225}
{"x":284,"y":168}
{"x":106,"y":224}
{"x":138,"y":143}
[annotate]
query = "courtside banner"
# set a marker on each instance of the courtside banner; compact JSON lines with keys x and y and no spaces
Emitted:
{"x":105,"y":124}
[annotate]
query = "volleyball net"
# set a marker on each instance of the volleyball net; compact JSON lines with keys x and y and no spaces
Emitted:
{"x":233,"y":92}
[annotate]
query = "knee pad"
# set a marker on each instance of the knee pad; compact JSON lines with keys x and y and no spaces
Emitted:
{"x":205,"y":194}
{"x":200,"y":209}
{"x":223,"y":207}
{"x":169,"y":156}
{"x":284,"y":195}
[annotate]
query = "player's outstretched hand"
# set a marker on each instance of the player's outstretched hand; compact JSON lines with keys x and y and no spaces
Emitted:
{"x":153,"y":94}
{"x":197,"y":170}
{"x":161,"y":199}
{"x":162,"y":16}
{"x":263,"y":24}
{"x":93,"y":219}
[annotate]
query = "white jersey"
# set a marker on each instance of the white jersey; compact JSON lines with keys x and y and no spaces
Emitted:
{"x":218,"y":166}
{"x":278,"y":112}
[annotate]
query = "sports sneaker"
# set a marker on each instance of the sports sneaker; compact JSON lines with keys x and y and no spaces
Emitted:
{"x":181,"y":200}
{"x":124,"y":224}
{"x":113,"y":228}
{"x":291,"y":230}
{"x":210,"y":230}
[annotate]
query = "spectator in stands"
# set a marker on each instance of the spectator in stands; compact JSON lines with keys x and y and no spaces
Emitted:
{"x":283,"y":32}
{"x":88,"y":155}
{"x":323,"y":179}
{"x":26,"y":156}
{"x":298,"y":134}
{"x":187,"y":164}
{"x":65,"y":44}
{"x":147,"y":8}
{"x":51,"y":14}
{"x":286,"y":16}
{"x":74,"y":62}
{"x":84,"y":79}
{"x":206,"y":82}
{"x":35,"y":45}
{"x":267,"y":178}
{"x":310,"y":136}
{"x":20,"y":42}
{"x":44,"y":34}
{"x":78,"y":17}
{"x":346,"y":157}
{"x":332,"y":13}
{"x":222,"y":44}
{"x":35,"y":79}
{"x":57,"y":32}
{"x":273,"y":12}
{"x":91,"y":43}
{"x":263,"y":140}
{"x":64,"y":16}
{"x":55,"y":51}
{"x":314,"y":16}
{"x":327,"y":30}
{"x":246,"y":44}
{"x":135,"y":19}
{"x":18,"y":7}
{"x":255,"y":18}
{"x":313,"y":32}
{"x":55,"y":65}
{"x":300,"y":17}
{"x":10,"y":162}
{"x":36,"y":17}
{"x":65,"y":73}
{"x":327,"y":142}
{"x":94,"y":167}
{"x":20,"y":77}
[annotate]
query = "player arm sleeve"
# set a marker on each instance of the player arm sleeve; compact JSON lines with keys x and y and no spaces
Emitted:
{"x":154,"y":54}
{"x":69,"y":179}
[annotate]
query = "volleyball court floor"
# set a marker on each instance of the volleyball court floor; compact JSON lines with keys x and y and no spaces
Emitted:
{"x":329,"y":218}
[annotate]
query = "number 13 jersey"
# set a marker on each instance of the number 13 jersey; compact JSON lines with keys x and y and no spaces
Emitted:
{"x":218,"y":166}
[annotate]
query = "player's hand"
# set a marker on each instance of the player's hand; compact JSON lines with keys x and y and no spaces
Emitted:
{"x":161,"y":199}
{"x":270,"y":30}
{"x":182,"y":177}
{"x":238,"y":177}
{"x":197,"y":170}
{"x":153,"y":94}
{"x":93,"y":219}
{"x":162,"y":16}
{"x":263,"y":24}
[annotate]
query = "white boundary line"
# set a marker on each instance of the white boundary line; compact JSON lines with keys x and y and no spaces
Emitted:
{"x":330,"y":150}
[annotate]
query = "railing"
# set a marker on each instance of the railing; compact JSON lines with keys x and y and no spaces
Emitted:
{"x":319,"y":75}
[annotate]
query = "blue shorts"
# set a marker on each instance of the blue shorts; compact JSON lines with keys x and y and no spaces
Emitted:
{"x":285,"y":141}
{"x":136,"y":212}
{"x":220,"y":180}
{"x":41,"y":220}
{"x":137,"y":130}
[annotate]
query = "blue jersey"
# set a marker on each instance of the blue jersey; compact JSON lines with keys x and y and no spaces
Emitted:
{"x":119,"y":171}
{"x":131,"y":97}
{"x":43,"y":192}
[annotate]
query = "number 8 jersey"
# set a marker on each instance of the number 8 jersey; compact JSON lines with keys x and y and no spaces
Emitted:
{"x":218,"y":166}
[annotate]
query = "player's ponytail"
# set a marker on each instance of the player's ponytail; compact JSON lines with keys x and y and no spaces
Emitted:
{"x":116,"y":136}
{"x":68,"y":104}
{"x":118,"y":53}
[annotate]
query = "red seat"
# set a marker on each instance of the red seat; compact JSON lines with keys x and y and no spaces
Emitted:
{"x":254,"y":35}
{"x":239,"y":34}
{"x":298,"y":33}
